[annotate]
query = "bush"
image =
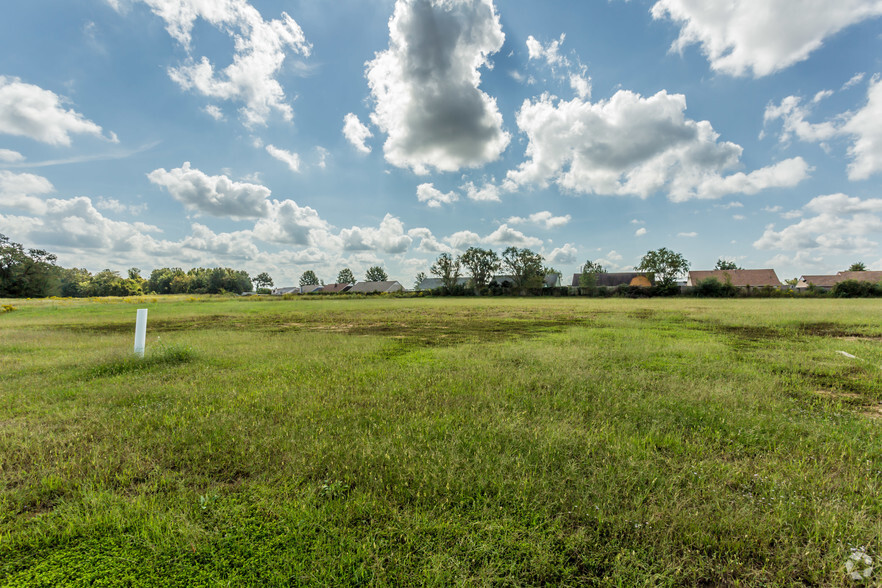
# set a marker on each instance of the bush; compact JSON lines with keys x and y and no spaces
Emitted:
{"x":713,"y":288}
{"x":856,"y":289}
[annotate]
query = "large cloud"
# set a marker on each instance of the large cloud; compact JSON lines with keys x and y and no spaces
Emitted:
{"x":863,"y":126}
{"x":23,"y":191}
{"x":260,"y":50}
{"x":634,"y":145}
{"x":76,"y":223}
{"x":761,"y":36}
{"x":30,"y":111}
{"x":833,"y":223}
{"x":287,"y":222}
{"x":389,"y":237}
{"x":426,"y":85}
{"x":214,"y":195}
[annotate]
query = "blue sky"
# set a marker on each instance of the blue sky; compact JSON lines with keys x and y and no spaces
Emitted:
{"x":285,"y":136}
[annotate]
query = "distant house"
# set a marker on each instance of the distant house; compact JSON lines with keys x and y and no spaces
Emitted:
{"x":286,"y":290}
{"x":550,"y":280}
{"x":370,"y":287}
{"x":740,"y":278}
{"x":336,"y":288}
{"x":310,"y":289}
{"x":433,"y":283}
{"x":611,"y":280}
{"x":826,"y":282}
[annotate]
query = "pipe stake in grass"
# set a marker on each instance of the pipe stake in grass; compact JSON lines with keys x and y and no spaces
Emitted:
{"x":140,"y":332}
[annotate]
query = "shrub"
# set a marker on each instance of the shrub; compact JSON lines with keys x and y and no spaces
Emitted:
{"x":856,"y":289}
{"x":713,"y":288}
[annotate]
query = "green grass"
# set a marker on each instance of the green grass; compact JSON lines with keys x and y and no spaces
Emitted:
{"x":390,"y":441}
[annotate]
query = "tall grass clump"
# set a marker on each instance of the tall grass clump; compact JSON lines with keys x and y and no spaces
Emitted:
{"x":159,"y":355}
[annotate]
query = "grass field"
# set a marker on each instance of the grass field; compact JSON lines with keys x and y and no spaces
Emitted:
{"x":377,"y":441}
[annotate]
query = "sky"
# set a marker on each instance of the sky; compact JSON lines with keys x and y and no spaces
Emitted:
{"x":284,"y":136}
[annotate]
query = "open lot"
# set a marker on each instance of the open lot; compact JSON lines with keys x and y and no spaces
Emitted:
{"x":440,"y":441}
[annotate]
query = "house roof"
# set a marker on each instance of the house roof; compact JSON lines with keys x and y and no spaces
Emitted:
{"x":367,"y":287}
{"x":818,"y":280}
{"x":432,"y":283}
{"x":610,"y":280}
{"x":865,"y":276}
{"x":311,"y":288}
{"x":286,"y":290}
{"x":336,"y":288}
{"x":738,"y":278}
{"x":828,"y":281}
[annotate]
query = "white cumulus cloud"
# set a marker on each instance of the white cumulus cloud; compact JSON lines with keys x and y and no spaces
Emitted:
{"x":10,"y":156}
{"x":863,"y":127}
{"x":636,"y":146}
{"x":260,"y":50}
{"x":488,"y":192}
{"x":831,"y":223}
{"x":567,"y":254}
{"x":505,"y":235}
{"x":29,"y":111}
{"x":23,"y":191}
{"x":389,"y":237}
{"x":292,"y":160}
{"x":356,"y":132}
{"x":544,"y":219}
{"x":760,"y":36}
{"x":426,"y":85}
{"x":287,"y":222}
{"x":214,"y":195}
{"x":434,"y":197}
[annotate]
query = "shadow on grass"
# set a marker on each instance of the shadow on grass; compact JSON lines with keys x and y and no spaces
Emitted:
{"x":163,"y":356}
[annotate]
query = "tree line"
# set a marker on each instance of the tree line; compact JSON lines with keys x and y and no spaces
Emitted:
{"x":33,"y":273}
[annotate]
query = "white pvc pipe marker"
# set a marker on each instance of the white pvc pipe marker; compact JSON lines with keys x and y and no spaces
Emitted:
{"x":141,"y":332}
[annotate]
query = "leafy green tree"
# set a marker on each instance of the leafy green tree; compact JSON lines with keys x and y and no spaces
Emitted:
{"x":447,"y":268}
{"x":482,"y":264}
{"x":75,"y":281}
{"x":858,"y":266}
{"x":526,"y":267}
{"x":665,"y":265}
{"x":588,"y":277}
{"x":725,"y":264}
{"x":25,"y":274}
{"x":308,"y":278}
{"x":263,"y":280}
{"x":345,"y":276}
{"x":418,"y":280}
{"x":375,"y":274}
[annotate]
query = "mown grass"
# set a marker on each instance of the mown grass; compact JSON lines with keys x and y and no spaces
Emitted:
{"x":458,"y":441}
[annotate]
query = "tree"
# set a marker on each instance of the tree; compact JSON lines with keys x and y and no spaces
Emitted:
{"x":345,"y":276}
{"x":30,"y":273}
{"x":375,"y":274}
{"x":588,"y":277}
{"x":447,"y":268}
{"x":263,"y":280}
{"x":725,"y":264}
{"x":418,"y":279}
{"x":75,"y":282}
{"x":482,"y":264}
{"x":308,"y":278}
{"x":526,"y":268}
{"x":665,"y":265}
{"x":858,"y":266}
